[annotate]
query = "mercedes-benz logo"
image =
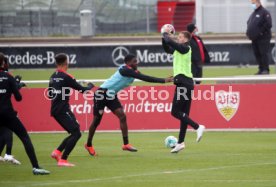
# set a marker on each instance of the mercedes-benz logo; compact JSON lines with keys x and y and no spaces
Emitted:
{"x":274,"y":54}
{"x":118,"y":55}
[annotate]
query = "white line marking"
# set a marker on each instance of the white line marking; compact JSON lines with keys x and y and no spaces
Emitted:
{"x":50,"y":183}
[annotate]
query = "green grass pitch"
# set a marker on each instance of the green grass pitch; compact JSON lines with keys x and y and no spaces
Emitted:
{"x":104,"y":73}
{"x":228,"y":159}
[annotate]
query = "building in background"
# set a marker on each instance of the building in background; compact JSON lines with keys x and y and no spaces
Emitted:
{"x":177,"y":13}
{"x":226,"y":16}
{"x":62,"y":17}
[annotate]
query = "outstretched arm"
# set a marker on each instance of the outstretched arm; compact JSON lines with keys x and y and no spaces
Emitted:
{"x":132,"y":73}
{"x":71,"y":82}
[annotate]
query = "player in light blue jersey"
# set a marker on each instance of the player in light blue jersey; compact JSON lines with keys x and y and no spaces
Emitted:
{"x":106,"y":96}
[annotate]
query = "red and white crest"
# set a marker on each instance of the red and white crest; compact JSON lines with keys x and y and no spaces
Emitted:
{"x":227,"y":103}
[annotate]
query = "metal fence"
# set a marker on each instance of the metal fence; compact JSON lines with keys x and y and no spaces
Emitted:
{"x":62,"y":17}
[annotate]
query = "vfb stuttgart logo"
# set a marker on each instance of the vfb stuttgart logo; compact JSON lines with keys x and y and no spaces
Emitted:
{"x":227,"y":103}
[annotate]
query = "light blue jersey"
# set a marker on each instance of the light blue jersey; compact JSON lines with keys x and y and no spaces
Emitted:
{"x":117,"y":82}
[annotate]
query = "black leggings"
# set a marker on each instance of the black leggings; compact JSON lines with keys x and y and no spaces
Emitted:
{"x":68,"y":121}
{"x":14,"y":124}
{"x":6,"y":139}
{"x":181,"y":109}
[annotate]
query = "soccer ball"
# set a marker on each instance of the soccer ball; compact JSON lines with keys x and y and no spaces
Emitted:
{"x":170,"y":142}
{"x":168,"y":27}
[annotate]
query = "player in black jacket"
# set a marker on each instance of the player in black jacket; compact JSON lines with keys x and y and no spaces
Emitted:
{"x":258,"y":31}
{"x":61,"y":82}
{"x":8,"y":116}
{"x":200,"y":54}
{"x":6,"y":135}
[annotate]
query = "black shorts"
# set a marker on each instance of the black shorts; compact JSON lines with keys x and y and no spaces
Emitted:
{"x":68,"y":121}
{"x":183,"y":85}
{"x":181,"y":103}
{"x":101,"y":100}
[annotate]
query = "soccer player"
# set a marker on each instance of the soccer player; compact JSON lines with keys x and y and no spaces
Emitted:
{"x":59,"y":88}
{"x":8,"y":116}
{"x":6,"y":137}
{"x":183,"y":79}
{"x":106,"y":96}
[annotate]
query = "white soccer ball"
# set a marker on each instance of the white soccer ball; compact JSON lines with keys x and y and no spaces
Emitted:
{"x":171,"y":141}
{"x":168,"y":27}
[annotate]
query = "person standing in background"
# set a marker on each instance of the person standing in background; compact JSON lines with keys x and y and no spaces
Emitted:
{"x":258,"y":31}
{"x":200,"y":54}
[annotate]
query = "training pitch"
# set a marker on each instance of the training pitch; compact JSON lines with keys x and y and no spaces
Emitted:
{"x":236,"y":159}
{"x":245,"y":159}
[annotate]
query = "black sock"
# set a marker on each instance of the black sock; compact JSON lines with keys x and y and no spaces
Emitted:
{"x":92,"y":130}
{"x":182,"y":132}
{"x":125,"y":140}
{"x":89,"y":141}
{"x":30,"y":151}
{"x":62,"y":146}
{"x":9,"y":142}
{"x":71,"y":142}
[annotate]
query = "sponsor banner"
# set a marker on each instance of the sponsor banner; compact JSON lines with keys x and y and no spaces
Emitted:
{"x":112,"y":56}
{"x":148,"y":108}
